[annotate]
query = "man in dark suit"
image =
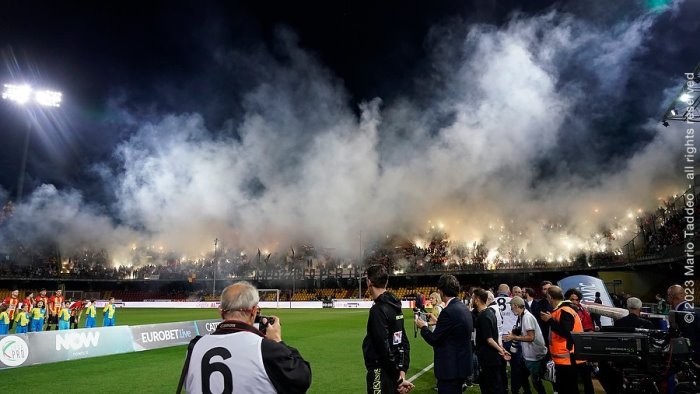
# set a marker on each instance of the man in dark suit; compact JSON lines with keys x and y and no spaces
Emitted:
{"x":634,"y":305}
{"x":451,"y":340}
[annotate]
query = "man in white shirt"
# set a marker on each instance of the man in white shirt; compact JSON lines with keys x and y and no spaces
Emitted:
{"x":532,"y":342}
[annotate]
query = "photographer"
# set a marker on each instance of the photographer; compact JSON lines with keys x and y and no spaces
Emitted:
{"x":238,"y":358}
{"x":529,"y":334}
{"x":386,"y":349}
{"x":451,"y":340}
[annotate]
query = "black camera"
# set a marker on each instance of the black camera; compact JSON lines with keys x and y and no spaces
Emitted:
{"x":517,"y":331}
{"x":262,"y":322}
{"x":417,"y":313}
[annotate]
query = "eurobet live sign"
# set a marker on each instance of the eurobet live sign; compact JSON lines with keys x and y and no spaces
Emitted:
{"x":33,"y":348}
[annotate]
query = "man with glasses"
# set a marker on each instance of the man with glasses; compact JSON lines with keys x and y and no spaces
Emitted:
{"x":239,"y":358}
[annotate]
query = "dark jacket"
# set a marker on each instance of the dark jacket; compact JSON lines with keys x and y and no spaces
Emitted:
{"x":386,"y":345}
{"x":634,"y":321}
{"x":451,"y":341}
{"x":542,"y":305}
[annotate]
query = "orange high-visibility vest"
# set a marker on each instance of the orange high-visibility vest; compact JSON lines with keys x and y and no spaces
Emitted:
{"x":557,"y":344}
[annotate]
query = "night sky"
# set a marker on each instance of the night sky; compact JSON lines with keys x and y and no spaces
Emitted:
{"x":267,"y":85}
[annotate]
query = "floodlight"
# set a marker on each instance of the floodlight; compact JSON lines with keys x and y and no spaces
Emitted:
{"x":20,"y":94}
{"x":674,"y":112}
{"x":685,"y":98}
{"x":23,"y":94}
{"x":48,"y":98}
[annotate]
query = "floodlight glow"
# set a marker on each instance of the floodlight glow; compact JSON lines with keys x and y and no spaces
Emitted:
{"x":685,"y":98}
{"x":674,"y":112}
{"x":48,"y":98}
{"x":20,"y":94}
{"x":23,"y":94}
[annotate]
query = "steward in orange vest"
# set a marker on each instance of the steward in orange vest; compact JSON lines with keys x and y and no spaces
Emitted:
{"x":564,"y":321}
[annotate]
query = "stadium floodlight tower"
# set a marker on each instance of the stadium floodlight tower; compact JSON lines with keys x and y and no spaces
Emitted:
{"x":684,"y":107}
{"x":24,"y":95}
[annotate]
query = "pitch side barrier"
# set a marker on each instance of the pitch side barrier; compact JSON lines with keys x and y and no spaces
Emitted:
{"x":339,"y":303}
{"x":20,"y":350}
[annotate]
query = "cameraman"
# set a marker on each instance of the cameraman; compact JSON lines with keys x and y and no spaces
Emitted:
{"x":238,"y":358}
{"x":385,"y":348}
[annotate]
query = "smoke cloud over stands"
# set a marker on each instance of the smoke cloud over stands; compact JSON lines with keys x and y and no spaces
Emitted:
{"x":513,"y":128}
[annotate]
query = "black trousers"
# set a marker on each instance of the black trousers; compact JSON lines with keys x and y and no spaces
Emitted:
{"x":567,"y":379}
{"x":452,"y":386}
{"x":490,"y":379}
{"x":379,"y":382}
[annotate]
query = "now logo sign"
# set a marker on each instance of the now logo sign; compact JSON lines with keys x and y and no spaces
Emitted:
{"x":75,"y":340}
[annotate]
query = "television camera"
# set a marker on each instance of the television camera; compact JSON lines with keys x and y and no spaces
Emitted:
{"x":640,"y":361}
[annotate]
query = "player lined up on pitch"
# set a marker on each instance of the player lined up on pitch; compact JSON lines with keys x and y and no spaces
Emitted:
{"x":44,"y":313}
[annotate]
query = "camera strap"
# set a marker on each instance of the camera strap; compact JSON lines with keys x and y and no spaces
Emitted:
{"x":232,"y":326}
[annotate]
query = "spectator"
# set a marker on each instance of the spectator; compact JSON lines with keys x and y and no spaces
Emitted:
{"x":633,"y":320}
{"x":540,"y":306}
{"x":661,"y":305}
{"x":517,"y":291}
{"x":529,"y":299}
{"x":438,"y":306}
{"x":503,"y":290}
{"x":595,"y":316}
{"x":451,"y":340}
{"x":420,"y":302}
{"x":502,"y":331}
{"x":575,"y":296}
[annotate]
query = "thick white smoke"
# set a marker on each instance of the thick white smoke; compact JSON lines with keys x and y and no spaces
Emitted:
{"x":302,"y":165}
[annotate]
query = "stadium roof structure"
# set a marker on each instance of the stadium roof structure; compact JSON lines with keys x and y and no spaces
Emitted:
{"x":684,"y":107}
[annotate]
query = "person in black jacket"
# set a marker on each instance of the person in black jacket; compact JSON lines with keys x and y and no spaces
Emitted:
{"x":489,"y":352}
{"x":542,"y":305}
{"x":386,"y":349}
{"x":633,"y":320}
{"x":451,"y":340}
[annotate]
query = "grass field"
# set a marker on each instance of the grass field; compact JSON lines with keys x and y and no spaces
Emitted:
{"x":330,"y":339}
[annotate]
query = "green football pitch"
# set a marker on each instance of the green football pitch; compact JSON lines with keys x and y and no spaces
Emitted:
{"x":329,"y":339}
